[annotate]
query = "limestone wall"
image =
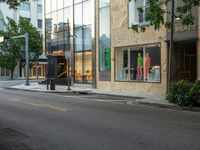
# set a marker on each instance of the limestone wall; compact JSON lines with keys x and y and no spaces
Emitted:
{"x":121,"y":36}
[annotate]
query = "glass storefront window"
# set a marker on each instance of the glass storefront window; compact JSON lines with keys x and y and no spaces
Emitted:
{"x":60,"y":4}
{"x":79,"y":39}
{"x":77,"y":1}
{"x":87,"y":15}
{"x":87,"y":38}
{"x":104,"y":40}
{"x":78,"y":19}
{"x":83,"y":66}
{"x":67,"y":3}
{"x":138,"y":63}
{"x":53,"y":5}
{"x":47,"y":6}
{"x":54,"y":25}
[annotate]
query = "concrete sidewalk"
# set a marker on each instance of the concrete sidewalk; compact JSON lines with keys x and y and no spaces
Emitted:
{"x":138,"y":97}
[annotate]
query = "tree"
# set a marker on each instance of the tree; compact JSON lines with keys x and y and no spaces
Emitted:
{"x":11,"y":52}
{"x":35,"y":38}
{"x":13,"y":3}
{"x":159,"y":9}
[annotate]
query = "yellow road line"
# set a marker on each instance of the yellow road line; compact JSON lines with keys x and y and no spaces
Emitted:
{"x":54,"y":107}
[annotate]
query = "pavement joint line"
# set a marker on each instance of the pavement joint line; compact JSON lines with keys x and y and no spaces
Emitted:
{"x":54,"y":107}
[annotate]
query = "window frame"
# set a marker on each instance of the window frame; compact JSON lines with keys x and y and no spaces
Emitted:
{"x":144,"y":22}
{"x":128,"y":48}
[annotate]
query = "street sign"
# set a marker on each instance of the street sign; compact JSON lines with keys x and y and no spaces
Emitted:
{"x":68,"y":55}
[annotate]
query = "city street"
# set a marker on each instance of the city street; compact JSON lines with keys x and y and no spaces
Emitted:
{"x":47,"y":121}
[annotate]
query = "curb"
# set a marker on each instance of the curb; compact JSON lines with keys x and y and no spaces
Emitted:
{"x":136,"y":102}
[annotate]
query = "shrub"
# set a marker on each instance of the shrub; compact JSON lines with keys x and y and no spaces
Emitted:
{"x":179,"y":93}
{"x":194,"y":93}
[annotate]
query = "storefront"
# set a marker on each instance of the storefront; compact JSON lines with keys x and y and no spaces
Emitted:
{"x":138,"y":63}
{"x":70,"y":29}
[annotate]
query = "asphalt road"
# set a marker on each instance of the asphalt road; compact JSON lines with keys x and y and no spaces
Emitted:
{"x":41,"y":121}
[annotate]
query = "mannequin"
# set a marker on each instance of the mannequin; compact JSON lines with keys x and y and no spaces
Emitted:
{"x":139,"y":66}
{"x":147,"y":65}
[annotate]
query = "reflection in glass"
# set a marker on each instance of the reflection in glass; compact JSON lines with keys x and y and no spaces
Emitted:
{"x":138,"y":64}
{"x":78,"y":20}
{"x":104,"y":32}
{"x":67,"y":3}
{"x":60,"y":4}
{"x":47,"y":6}
{"x":79,"y":39}
{"x":53,"y":5}
{"x":87,"y":15}
{"x":87,"y":38}
{"x":54,"y":25}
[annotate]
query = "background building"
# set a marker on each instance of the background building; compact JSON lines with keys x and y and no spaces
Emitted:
{"x":32,"y":11}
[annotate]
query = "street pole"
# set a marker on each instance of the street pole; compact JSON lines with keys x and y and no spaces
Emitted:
{"x":27,"y":60}
{"x":68,"y":59}
{"x":171,"y":47}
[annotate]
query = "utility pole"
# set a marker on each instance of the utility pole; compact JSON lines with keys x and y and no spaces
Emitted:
{"x":171,"y":47}
{"x":68,"y":58}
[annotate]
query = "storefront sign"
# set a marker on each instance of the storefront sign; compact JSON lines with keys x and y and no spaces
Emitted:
{"x":186,"y":28}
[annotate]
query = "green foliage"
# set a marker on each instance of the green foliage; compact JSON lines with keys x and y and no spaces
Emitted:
{"x":13,"y":3}
{"x":179,"y":94}
{"x":35,"y":39}
{"x":184,"y":93}
{"x":194,"y":93}
{"x":11,"y":51}
{"x":158,"y":9}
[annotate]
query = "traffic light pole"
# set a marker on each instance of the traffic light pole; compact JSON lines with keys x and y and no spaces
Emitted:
{"x":27,"y":59}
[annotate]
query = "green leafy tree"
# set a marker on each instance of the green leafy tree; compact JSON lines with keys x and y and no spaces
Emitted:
{"x":13,"y":3}
{"x":159,"y":9}
{"x":35,"y":39}
{"x":10,"y":52}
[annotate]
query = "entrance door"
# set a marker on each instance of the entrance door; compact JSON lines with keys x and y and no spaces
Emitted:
{"x":184,"y":61}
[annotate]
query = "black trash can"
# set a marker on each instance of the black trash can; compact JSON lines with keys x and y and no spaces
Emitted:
{"x":52,"y":84}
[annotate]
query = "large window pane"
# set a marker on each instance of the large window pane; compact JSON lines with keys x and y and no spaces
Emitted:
{"x":77,"y":1}
{"x":47,"y":6}
{"x":87,"y":38}
{"x":39,"y":9}
{"x":138,"y":63}
{"x":79,"y":39}
{"x":87,"y":13}
{"x":136,"y":17}
{"x":78,"y":19}
{"x":54,"y":25}
{"x":60,"y":4}
{"x":67,"y":3}
{"x":104,"y":40}
{"x":152,"y":63}
{"x":53,"y":5}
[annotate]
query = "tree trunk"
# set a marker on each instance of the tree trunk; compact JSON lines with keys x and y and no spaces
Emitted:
{"x":37,"y":68}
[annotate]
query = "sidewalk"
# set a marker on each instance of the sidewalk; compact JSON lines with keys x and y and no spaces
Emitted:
{"x":138,"y":97}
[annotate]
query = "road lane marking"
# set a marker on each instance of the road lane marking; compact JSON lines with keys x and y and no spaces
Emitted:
{"x":49,"y":106}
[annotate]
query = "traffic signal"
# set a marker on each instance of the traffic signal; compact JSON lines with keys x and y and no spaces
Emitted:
{"x":4,"y":38}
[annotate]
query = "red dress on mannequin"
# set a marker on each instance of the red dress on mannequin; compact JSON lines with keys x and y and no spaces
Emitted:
{"x":147,"y":65}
